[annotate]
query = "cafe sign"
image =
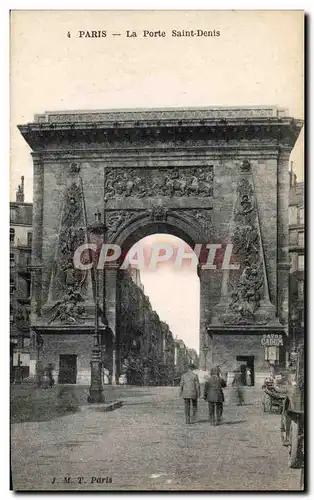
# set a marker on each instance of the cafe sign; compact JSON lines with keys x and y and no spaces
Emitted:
{"x":272,"y":340}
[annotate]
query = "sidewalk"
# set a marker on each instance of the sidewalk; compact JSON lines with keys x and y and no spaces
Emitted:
{"x":146,"y":445}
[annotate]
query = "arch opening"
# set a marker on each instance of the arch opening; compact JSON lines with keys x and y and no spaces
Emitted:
{"x":159,"y":307}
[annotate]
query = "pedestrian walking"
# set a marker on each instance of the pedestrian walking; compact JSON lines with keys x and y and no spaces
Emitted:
{"x":237,"y":384}
{"x":213,"y":394}
{"x":106,"y":374}
{"x":123,"y":379}
{"x":190,"y":392}
{"x":50,"y":375}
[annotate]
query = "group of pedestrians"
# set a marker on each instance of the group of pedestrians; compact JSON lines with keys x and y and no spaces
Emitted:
{"x":213,"y":393}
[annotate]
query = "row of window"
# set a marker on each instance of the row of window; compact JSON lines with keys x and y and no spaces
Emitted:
{"x":296,"y":261}
{"x":12,"y":237}
{"x":296,"y":215}
{"x":296,"y":238}
{"x":24,"y":216}
{"x":25,"y":287}
{"x":24,"y":261}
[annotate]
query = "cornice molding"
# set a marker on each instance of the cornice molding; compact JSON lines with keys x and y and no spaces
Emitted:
{"x":128,"y":155}
{"x":217,"y":124}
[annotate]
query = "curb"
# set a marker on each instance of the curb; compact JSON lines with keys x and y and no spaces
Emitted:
{"x":112,"y":406}
{"x":105,"y":407}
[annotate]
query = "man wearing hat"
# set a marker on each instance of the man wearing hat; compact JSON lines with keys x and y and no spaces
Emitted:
{"x":190,"y":392}
{"x":214,"y":395}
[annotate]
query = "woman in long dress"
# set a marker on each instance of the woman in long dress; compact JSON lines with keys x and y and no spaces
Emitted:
{"x":248,"y":375}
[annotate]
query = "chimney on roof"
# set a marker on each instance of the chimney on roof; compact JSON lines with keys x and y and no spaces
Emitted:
{"x":293,"y":175}
{"x":20,"y":191}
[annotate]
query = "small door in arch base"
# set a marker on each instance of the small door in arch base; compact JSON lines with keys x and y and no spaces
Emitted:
{"x":247,"y":369}
{"x":67,"y":369}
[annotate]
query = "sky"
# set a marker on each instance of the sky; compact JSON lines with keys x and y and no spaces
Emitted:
{"x":174,"y":293}
{"x":256,"y":60}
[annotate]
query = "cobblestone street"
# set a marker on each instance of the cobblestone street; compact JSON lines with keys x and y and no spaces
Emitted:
{"x":146,"y":445}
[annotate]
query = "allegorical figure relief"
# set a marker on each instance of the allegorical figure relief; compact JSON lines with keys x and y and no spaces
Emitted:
{"x":69,"y":308}
{"x":122,"y":183}
{"x":246,"y":288}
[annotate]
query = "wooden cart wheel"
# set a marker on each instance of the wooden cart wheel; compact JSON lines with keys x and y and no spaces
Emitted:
{"x":302,"y":480}
{"x":266,"y":403}
{"x":294,"y":458}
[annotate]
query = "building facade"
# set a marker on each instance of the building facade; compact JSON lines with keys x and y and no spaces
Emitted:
{"x":183,"y":358}
{"x":20,"y":281}
{"x":146,"y":345}
{"x":206,"y":175}
{"x":296,"y":250}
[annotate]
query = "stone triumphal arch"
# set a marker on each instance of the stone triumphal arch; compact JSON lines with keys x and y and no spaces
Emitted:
{"x":214,"y":175}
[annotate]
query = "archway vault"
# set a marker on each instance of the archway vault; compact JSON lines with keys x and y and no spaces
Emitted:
{"x":186,"y":228}
{"x":136,"y":227}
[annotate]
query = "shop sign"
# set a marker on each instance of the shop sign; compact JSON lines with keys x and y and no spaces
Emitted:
{"x":272,"y":339}
{"x":272,"y":353}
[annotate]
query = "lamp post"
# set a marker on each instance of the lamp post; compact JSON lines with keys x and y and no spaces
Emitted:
{"x":294,"y":321}
{"x":39,"y":342}
{"x":18,"y":370}
{"x":96,"y":395}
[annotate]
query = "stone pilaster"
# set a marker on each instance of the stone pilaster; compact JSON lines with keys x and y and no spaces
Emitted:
{"x":38,"y":200}
{"x":36,"y":262}
{"x":112,"y":300}
{"x":283,"y":262}
{"x":206,"y":278}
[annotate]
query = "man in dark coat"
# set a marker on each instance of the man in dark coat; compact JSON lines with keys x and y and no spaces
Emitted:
{"x":237,"y":384}
{"x":214,"y":395}
{"x":190,"y":391}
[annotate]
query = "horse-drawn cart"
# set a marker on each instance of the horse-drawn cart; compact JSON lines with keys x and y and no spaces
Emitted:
{"x":273,"y":401}
{"x":273,"y":398}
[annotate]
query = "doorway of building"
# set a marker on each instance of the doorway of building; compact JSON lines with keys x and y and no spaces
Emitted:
{"x":67,"y":369}
{"x":247,"y":369}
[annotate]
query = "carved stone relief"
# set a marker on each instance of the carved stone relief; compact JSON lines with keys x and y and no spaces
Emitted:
{"x":116,"y":219}
{"x":169,"y":182}
{"x":201,"y":216}
{"x":158,"y":213}
{"x":246,"y":286}
{"x":69,"y":309}
{"x":68,"y":284}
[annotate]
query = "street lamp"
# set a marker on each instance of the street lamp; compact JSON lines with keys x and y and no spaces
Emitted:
{"x":18,"y":370}
{"x":294,"y":321}
{"x":39,"y":342}
{"x":96,"y":395}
